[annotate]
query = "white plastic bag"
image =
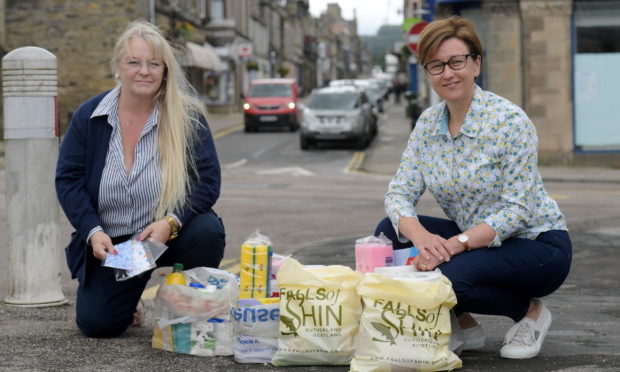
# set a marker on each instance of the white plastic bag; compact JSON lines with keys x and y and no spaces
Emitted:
{"x":193,"y":321}
{"x":256,"y":327}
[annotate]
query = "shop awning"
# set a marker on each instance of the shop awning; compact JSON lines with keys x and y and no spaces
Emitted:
{"x":202,"y":56}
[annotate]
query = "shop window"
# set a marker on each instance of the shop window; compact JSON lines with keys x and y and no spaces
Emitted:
{"x":597,"y":47}
{"x":217,"y":9}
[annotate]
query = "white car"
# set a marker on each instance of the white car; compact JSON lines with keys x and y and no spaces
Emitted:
{"x":341,"y":114}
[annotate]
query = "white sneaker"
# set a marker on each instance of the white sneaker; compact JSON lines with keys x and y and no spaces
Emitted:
{"x":524,"y":339}
{"x":474,"y":338}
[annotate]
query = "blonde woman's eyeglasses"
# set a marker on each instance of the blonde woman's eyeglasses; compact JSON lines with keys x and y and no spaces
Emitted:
{"x":152,"y":66}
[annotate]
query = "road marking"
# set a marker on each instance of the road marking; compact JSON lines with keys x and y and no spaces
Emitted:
{"x":149,"y":293}
{"x":227,"y":261}
{"x":227,"y":131}
{"x":233,"y":269}
{"x":236,"y":164}
{"x":355,"y":165}
{"x":261,"y":151}
{"x":288,"y":171}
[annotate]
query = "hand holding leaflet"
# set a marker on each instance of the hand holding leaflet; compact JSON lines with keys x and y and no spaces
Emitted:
{"x":134,"y":257}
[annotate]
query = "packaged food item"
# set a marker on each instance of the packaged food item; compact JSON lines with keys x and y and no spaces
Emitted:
{"x":255,"y":325}
{"x":405,"y":256}
{"x":276,"y":263}
{"x":176,"y":276}
{"x":371,"y":252}
{"x":319,"y":314}
{"x":202,"y":337}
{"x":195,"y":319}
{"x":405,"y":324}
{"x":255,"y":275}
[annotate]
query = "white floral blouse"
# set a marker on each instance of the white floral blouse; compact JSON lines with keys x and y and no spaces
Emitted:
{"x":488,"y":173}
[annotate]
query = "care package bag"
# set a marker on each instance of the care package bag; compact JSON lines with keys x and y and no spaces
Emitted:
{"x":191,"y":320}
{"x":405,"y":324}
{"x":319,"y":314}
{"x":256,"y":327}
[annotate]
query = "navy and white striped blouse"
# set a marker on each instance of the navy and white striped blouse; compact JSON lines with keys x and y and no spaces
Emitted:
{"x":127,"y":203}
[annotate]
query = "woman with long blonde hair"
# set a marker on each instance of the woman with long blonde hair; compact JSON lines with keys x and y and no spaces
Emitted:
{"x":137,"y":162}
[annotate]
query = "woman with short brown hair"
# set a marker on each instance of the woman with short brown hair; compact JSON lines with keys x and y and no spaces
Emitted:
{"x":505,"y":241}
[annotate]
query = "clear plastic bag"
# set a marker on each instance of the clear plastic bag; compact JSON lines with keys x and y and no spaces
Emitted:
{"x":255,"y":275}
{"x":134,"y":257}
{"x":183,"y":304}
{"x":193,"y":320}
{"x":372,"y":252}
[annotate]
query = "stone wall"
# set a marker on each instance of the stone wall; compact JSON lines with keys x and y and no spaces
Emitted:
{"x":503,"y":49}
{"x":80,"y":33}
{"x":548,"y":76}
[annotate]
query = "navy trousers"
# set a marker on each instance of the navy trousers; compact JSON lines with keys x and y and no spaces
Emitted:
{"x":105,"y":307}
{"x":502,"y":280}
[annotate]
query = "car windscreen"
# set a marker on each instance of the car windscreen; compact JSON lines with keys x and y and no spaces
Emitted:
{"x":271,"y":90}
{"x":333,"y":101}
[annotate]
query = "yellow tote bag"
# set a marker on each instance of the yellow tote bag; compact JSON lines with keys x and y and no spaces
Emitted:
{"x":319,"y":314}
{"x":405,"y":324}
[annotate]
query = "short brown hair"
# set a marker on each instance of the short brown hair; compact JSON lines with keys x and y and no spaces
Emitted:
{"x":441,"y":30}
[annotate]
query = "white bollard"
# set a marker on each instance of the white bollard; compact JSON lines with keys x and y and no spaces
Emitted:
{"x":31,"y":149}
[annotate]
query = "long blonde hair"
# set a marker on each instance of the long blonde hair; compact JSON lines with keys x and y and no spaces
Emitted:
{"x":179,"y":113}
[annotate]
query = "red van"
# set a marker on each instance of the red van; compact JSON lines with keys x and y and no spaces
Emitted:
{"x":271,"y":103}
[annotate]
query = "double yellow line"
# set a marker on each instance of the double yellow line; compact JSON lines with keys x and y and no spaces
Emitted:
{"x":227,"y":131}
{"x":355,"y":165}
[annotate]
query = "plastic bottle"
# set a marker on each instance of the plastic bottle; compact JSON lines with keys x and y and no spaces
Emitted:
{"x":176,"y":276}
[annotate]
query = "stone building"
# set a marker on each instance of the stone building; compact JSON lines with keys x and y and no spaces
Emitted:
{"x":553,"y":58}
{"x":224,"y":43}
{"x":339,"y":45}
{"x":82,"y":35}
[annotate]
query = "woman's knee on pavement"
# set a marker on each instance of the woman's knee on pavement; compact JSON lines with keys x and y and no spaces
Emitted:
{"x":96,"y":323}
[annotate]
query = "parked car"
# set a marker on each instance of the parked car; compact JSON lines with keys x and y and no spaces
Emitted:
{"x":373,"y":92}
{"x":373,"y":88}
{"x":337,"y":114}
{"x":271,"y":103}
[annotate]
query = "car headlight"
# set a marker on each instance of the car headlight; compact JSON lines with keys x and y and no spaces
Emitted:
{"x":246,"y":106}
{"x":309,"y":120}
{"x":353,"y":120}
{"x":291,"y":105}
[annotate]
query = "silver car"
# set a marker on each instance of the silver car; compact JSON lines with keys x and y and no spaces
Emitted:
{"x":341,"y":114}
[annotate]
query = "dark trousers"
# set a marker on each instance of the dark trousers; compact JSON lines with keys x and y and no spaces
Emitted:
{"x":105,"y":307}
{"x":502,"y":280}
